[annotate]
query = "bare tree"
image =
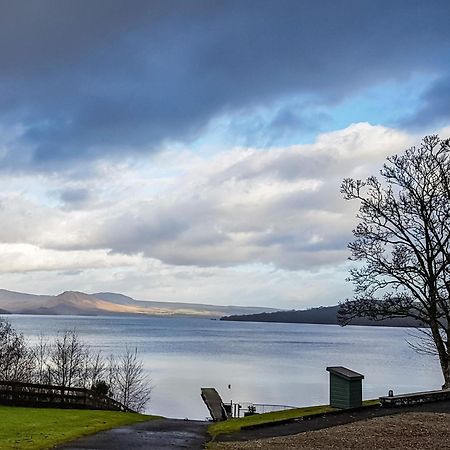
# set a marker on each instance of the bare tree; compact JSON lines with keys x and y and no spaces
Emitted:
{"x":40,"y":360}
{"x":403,"y":239}
{"x":94,"y":368}
{"x":97,"y":369}
{"x":130,"y":384}
{"x":67,"y":360}
{"x":111,"y":372}
{"x":16,"y":360}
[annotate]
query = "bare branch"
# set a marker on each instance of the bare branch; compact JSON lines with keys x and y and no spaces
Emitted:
{"x":403,"y":239}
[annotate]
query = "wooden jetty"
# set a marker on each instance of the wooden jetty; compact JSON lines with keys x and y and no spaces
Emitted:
{"x":214,"y":403}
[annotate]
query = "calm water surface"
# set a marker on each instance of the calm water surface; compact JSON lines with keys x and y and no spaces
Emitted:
{"x":264,"y":362}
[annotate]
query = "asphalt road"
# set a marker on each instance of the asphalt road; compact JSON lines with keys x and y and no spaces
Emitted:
{"x":157,"y":434}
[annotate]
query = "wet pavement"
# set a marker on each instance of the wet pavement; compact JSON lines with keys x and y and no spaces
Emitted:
{"x":158,"y":434}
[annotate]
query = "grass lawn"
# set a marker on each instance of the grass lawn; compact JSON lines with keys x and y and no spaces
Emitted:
{"x":41,"y":428}
{"x":234,"y":425}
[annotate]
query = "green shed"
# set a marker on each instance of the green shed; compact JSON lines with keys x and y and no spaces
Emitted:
{"x":345,"y":387}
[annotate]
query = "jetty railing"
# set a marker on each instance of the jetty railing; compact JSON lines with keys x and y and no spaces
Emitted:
{"x":245,"y":408}
{"x":46,"y":395}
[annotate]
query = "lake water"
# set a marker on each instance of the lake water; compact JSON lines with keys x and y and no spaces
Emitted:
{"x":263,"y":362}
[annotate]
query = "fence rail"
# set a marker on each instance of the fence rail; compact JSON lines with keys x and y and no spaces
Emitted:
{"x":47,"y":395}
{"x":245,"y":408}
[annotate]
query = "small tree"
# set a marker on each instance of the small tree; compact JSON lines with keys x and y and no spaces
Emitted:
{"x":67,"y":360}
{"x":16,"y":360}
{"x":40,"y":354}
{"x":403,"y":239}
{"x":100,"y":388}
{"x":96,"y":369}
{"x":129,"y":383}
{"x":111,"y":372}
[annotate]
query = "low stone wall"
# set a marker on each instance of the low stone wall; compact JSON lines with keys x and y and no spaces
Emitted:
{"x":415,"y":398}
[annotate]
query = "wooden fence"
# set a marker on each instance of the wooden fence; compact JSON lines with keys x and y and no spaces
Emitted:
{"x":50,"y":396}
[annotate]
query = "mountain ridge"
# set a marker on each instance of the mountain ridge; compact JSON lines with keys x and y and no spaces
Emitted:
{"x":109,"y":303}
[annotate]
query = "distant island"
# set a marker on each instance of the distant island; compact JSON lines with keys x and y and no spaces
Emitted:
{"x":110,"y":303}
{"x":326,"y":315}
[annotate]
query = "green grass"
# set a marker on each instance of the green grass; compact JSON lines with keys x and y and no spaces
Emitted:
{"x":41,"y":428}
{"x":234,"y":425}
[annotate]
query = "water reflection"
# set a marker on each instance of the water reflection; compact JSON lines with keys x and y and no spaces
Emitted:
{"x":264,"y":363}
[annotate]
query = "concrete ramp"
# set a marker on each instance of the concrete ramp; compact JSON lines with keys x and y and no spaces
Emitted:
{"x":214,"y":403}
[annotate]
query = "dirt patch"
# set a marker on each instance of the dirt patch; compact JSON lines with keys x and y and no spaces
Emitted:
{"x":427,"y":431}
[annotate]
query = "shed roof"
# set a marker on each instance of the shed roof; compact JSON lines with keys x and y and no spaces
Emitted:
{"x":345,"y":373}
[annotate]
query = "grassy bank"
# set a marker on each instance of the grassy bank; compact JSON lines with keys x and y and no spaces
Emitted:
{"x":41,"y":428}
{"x":234,"y":425}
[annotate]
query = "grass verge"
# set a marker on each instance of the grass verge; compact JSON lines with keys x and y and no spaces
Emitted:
{"x":42,"y":428}
{"x":235,"y":425}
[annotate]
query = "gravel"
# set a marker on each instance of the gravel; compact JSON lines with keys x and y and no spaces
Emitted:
{"x":425,"y":431}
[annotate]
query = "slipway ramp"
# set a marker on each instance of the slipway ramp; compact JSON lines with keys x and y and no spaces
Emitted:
{"x":214,"y":403}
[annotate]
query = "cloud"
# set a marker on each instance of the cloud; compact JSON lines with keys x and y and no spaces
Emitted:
{"x":245,"y":206}
{"x":435,"y":106}
{"x":249,"y":206}
{"x":82,"y":81}
{"x":23,"y":258}
{"x":74,"y":197}
{"x":245,"y":226}
{"x":146,"y":147}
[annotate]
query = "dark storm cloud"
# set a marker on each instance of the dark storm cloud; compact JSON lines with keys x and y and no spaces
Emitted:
{"x":436,"y":105}
{"x":89,"y":78}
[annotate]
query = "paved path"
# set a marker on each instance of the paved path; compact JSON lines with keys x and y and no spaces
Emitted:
{"x":165,"y":434}
{"x":158,"y":434}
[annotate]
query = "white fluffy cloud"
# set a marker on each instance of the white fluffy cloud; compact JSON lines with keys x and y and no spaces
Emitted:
{"x":205,"y":218}
{"x":243,"y":206}
{"x":30,"y":258}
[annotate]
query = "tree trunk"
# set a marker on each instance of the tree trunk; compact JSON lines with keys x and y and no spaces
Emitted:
{"x":445,"y":366}
{"x":443,"y":353}
{"x":446,"y":372}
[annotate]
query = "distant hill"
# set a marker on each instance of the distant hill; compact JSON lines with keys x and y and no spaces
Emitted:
{"x":179,"y":308}
{"x":109,"y":303}
{"x":119,"y":299}
{"x":322,"y":315}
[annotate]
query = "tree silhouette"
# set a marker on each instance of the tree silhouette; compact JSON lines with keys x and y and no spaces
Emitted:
{"x":403,"y":242}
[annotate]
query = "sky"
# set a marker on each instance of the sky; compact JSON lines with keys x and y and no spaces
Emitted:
{"x":193,"y":151}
